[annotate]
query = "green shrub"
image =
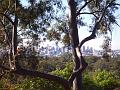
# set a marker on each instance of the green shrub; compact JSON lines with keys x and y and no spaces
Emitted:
{"x":6,"y":85}
{"x":89,"y":84}
{"x":38,"y":84}
{"x":65,"y":73}
{"x":105,"y":80}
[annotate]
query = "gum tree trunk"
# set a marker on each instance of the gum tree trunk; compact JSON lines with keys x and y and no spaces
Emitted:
{"x":75,"y":42}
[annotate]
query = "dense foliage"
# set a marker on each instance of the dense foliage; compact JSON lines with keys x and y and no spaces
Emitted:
{"x":96,"y":77}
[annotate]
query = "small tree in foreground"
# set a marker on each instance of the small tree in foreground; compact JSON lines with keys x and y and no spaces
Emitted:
{"x":106,"y":47}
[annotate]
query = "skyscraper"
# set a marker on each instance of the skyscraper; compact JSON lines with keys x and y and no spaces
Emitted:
{"x":83,"y":49}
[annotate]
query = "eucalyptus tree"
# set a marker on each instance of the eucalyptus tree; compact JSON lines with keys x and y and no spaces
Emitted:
{"x":103,"y":12}
{"x":37,"y":16}
{"x":10,"y":23}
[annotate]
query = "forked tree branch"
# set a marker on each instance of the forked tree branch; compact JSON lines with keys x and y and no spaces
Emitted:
{"x":86,"y":3}
{"x":92,"y":36}
{"x":93,"y":13}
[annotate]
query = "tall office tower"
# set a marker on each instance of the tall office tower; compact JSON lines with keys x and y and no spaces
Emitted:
{"x":83,"y":49}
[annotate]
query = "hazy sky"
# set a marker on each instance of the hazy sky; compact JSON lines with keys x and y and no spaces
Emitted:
{"x":96,"y":43}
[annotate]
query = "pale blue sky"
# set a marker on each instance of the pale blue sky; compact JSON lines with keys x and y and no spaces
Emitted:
{"x":96,"y":43}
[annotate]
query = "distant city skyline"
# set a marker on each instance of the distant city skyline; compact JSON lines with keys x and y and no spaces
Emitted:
{"x":56,"y":50}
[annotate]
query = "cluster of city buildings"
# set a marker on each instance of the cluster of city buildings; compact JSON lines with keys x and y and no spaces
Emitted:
{"x":56,"y":50}
{"x":48,"y":49}
{"x":86,"y":51}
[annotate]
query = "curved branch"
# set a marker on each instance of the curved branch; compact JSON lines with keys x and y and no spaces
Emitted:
{"x":60,"y":80}
{"x":22,"y":71}
{"x":83,"y":64}
{"x":93,"y":35}
{"x":82,"y":67}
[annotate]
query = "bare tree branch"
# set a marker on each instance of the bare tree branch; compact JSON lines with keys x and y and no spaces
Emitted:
{"x":7,"y":18}
{"x":22,"y":71}
{"x":93,"y":13}
{"x":117,"y":24}
{"x":5,"y":32}
{"x":86,"y":3}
